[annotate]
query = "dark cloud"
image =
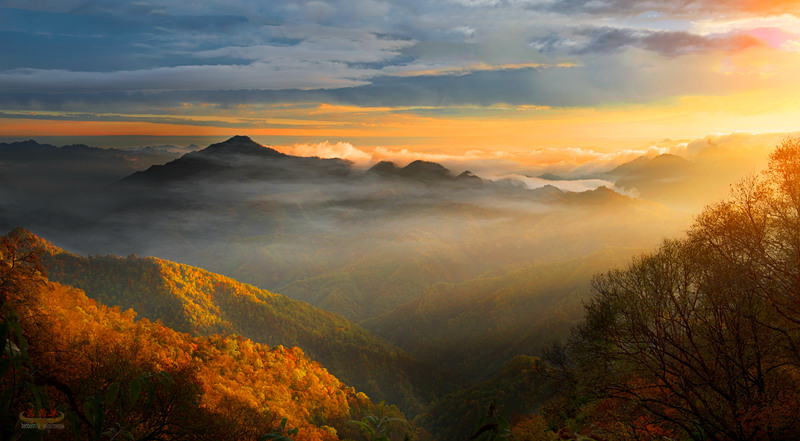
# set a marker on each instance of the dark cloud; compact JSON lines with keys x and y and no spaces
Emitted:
{"x":150,"y":56}
{"x":519,"y":86}
{"x":625,"y":7}
{"x":601,"y":80}
{"x":107,"y":42}
{"x":604,"y":40}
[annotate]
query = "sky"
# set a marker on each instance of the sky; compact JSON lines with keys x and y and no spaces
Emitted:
{"x":533,"y":80}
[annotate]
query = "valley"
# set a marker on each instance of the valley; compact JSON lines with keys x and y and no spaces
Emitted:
{"x":431,"y":290}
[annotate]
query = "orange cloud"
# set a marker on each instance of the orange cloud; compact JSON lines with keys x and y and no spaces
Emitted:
{"x":770,"y":6}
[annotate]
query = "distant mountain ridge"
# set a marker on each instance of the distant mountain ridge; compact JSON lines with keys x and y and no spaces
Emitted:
{"x":421,"y":171}
{"x":239,"y":145}
{"x":241,"y":158}
{"x":33,"y":151}
{"x":30,"y":170}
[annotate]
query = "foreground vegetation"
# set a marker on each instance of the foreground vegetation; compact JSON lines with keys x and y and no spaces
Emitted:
{"x":700,"y":339}
{"x":192,"y":300}
{"x":113,"y":377}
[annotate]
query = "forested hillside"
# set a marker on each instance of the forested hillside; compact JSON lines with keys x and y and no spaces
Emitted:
{"x":478,"y":326}
{"x":198,"y":302}
{"x":515,"y":391}
{"x":113,"y":377}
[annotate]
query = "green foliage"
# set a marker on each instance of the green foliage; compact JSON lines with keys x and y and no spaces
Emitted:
{"x":21,"y":274}
{"x":518,"y":389}
{"x":492,"y":427}
{"x":377,"y":427}
{"x":281,"y":433}
{"x":533,"y":428}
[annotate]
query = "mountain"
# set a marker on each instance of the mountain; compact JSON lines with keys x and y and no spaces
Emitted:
{"x":385,"y":168}
{"x":500,"y":314}
{"x":668,"y":179}
{"x":111,"y":374}
{"x":460,"y":274}
{"x":467,"y":175}
{"x":29,"y":166}
{"x":63,"y":188}
{"x":192,"y":300}
{"x":319,"y":230}
{"x":674,"y":181}
{"x":649,"y":171}
{"x":240,"y":158}
{"x":425,"y":172}
{"x":380,"y":280}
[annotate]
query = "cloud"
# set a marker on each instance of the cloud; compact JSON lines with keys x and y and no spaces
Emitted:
{"x":577,"y":185}
{"x":570,"y":163}
{"x":750,"y":147}
{"x":423,"y":70}
{"x":604,"y":40}
{"x":107,"y":55}
{"x":623,"y":77}
{"x":494,"y":166}
{"x":672,"y":7}
{"x":342,"y":150}
{"x":291,"y":74}
{"x":356,"y":49}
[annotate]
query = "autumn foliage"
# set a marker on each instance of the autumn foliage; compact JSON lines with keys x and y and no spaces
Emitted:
{"x":199,"y":302}
{"x":699,"y":339}
{"x":113,"y":375}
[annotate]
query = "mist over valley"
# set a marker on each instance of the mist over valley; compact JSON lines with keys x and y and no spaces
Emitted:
{"x":411,"y":282}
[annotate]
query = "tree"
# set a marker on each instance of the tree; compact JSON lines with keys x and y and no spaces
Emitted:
{"x":21,"y":274}
{"x":700,"y":339}
{"x":20,"y":268}
{"x":756,"y":235}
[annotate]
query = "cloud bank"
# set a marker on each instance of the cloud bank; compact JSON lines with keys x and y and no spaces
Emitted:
{"x":92,"y":54}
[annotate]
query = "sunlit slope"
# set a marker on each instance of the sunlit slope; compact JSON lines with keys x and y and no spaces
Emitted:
{"x":476,"y":327}
{"x":169,"y":385}
{"x":193,"y":300}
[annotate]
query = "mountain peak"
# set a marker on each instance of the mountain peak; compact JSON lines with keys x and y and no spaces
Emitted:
{"x":32,"y":242}
{"x":384,"y":168}
{"x":241,"y":145}
{"x":670,"y":158}
{"x":425,"y":171}
{"x":468,"y":176}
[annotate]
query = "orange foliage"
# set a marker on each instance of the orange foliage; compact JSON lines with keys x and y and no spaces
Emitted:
{"x":228,"y":387}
